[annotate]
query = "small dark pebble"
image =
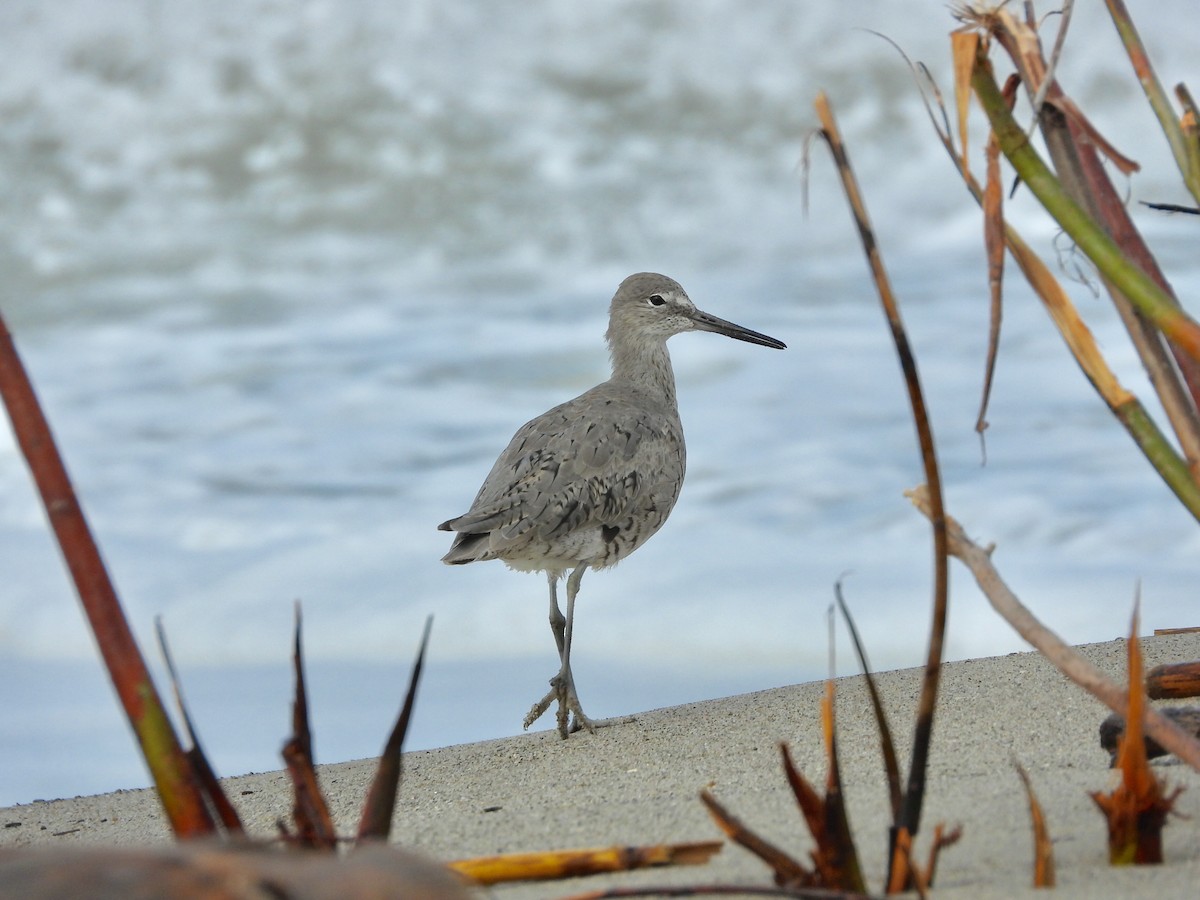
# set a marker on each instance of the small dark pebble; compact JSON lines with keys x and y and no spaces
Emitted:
{"x":12,"y":824}
{"x":492,"y":808}
{"x":1112,"y":728}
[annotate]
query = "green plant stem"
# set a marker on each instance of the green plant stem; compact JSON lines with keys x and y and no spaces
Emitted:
{"x":1153,"y":443}
{"x":1125,"y":406}
{"x":1141,"y":290}
{"x":1130,"y":412}
{"x":1181,"y":149}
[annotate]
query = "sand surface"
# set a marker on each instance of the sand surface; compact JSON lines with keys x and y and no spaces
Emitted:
{"x":636,"y":780}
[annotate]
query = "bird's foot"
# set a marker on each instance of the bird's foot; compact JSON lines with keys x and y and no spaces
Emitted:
{"x":571,"y":717}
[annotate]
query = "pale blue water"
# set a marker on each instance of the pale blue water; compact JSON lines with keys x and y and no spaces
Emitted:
{"x":288,"y":275}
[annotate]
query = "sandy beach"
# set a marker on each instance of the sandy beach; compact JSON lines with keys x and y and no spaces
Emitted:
{"x":636,"y":780}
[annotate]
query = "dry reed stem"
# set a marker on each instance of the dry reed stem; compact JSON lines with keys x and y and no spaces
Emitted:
{"x":557,"y":864}
{"x":1057,"y":652}
{"x":909,"y":821}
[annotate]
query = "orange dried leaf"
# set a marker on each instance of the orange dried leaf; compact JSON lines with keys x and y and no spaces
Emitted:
{"x":964,"y":45}
{"x":1136,"y":810}
{"x":1070,"y":324}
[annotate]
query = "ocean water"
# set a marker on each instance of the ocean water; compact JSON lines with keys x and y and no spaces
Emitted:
{"x":288,"y":275}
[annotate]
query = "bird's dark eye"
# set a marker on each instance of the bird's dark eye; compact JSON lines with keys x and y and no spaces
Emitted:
{"x":656,"y":300}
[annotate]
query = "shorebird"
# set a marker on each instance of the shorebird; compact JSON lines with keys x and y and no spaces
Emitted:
{"x":584,"y":485}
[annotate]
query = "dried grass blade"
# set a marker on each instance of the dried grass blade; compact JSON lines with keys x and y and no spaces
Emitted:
{"x":839,"y":856}
{"x":1055,"y":55}
{"x":202,"y":770}
{"x":313,"y":821}
{"x":902,"y":873}
{"x":310,"y":812}
{"x":380,"y":805}
{"x":810,"y":802}
{"x":993,"y":239}
{"x":887,"y":745}
{"x":787,"y":870}
{"x":1043,"y":847}
{"x":835,"y":857}
{"x":1022,"y":43}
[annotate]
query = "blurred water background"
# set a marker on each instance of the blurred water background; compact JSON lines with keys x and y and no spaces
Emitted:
{"x":289,"y":274}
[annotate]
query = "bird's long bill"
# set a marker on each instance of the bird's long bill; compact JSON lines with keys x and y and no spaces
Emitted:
{"x":706,"y":322}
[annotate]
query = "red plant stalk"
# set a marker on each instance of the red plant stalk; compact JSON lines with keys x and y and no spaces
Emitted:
{"x":177,"y":787}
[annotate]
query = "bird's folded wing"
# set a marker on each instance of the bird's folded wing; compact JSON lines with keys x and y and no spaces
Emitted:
{"x":563,"y":471}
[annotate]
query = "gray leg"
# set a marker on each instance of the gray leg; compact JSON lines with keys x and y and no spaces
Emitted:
{"x":562,"y":685}
{"x":572,"y":699}
{"x":558,"y":622}
{"x":558,"y":625}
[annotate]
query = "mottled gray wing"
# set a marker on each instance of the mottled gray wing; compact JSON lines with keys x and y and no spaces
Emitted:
{"x":593,"y":461}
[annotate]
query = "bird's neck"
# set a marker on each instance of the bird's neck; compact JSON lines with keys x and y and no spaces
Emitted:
{"x":646,"y":367}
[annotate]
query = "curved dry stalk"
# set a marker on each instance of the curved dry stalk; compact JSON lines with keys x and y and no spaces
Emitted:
{"x":1061,"y":655}
{"x":909,"y":820}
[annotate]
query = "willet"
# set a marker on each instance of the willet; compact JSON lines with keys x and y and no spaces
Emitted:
{"x":584,"y":485}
